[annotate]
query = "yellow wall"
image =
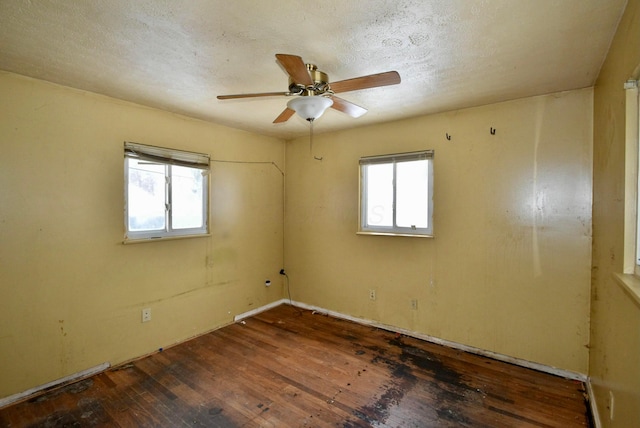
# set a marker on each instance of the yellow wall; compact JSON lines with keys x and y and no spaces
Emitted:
{"x":615,"y":317}
{"x":509,"y":268}
{"x":70,"y":293}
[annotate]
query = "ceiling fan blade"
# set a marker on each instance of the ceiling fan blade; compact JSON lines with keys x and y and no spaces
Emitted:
{"x":260,"y":94}
{"x":365,"y":82}
{"x":285,"y":115}
{"x":347,"y":107}
{"x":295,"y":66}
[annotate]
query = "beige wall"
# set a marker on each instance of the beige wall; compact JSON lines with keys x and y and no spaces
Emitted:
{"x":509,"y":268}
{"x":615,"y":317}
{"x":70,"y":293}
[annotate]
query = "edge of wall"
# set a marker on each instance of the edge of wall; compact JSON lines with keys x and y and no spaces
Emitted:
{"x":568,"y":374}
{"x":591,"y":398}
{"x":238,"y":318}
{"x":595,"y":414}
{"x":74,"y":377}
{"x":256,"y":311}
{"x":11,"y":399}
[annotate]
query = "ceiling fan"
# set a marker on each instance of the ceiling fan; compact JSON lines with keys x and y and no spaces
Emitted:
{"x":314,"y":94}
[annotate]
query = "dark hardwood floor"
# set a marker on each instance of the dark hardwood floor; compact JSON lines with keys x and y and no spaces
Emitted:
{"x":292,"y":368}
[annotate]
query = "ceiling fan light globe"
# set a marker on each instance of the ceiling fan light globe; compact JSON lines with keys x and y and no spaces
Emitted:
{"x":310,"y":107}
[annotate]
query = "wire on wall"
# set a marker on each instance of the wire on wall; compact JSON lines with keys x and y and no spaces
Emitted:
{"x":250,"y":162}
{"x":283,"y":203}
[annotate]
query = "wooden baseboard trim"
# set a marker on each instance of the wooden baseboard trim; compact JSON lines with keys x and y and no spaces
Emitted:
{"x":53,"y":384}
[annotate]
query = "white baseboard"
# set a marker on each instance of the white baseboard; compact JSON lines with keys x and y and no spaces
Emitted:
{"x":67,"y":379}
{"x":593,"y":405}
{"x":496,"y":356}
{"x":256,"y":311}
{"x":104,"y":366}
{"x":500,"y":357}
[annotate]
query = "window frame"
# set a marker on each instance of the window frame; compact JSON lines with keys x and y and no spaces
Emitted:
{"x":631,"y":185}
{"x":629,"y":278}
{"x":169,"y":158}
{"x":364,"y":228}
{"x":632,"y":135}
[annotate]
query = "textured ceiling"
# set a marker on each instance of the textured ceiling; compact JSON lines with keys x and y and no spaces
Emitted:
{"x":178,"y":55}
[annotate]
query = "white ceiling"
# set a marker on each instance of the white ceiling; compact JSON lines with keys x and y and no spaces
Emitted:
{"x":178,"y":55}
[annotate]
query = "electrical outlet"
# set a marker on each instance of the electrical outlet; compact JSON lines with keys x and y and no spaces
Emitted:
{"x":146,"y":314}
{"x":414,"y":304}
{"x":372,"y":294}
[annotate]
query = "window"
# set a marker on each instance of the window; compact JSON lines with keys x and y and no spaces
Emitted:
{"x":631,"y":241}
{"x":629,"y":278}
{"x":633,"y":138}
{"x":632,"y":180}
{"x":165,"y":192}
{"x":396,"y":194}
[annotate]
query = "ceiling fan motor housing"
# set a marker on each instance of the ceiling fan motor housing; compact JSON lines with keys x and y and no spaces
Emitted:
{"x":320,"y":83}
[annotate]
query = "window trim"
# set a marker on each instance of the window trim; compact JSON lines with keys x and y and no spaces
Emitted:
{"x":631,"y":179}
{"x":629,"y":278}
{"x":363,"y":228}
{"x":169,"y":158}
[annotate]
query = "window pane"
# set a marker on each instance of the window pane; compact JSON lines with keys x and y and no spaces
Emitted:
{"x":186,"y":194}
{"x":146,"y":198}
{"x":379,"y":195}
{"x":412,"y":189}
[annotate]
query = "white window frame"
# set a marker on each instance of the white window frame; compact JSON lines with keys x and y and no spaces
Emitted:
{"x":629,"y":278}
{"x":168,"y":158}
{"x":633,"y":135}
{"x":364,"y":226}
{"x":632,"y":179}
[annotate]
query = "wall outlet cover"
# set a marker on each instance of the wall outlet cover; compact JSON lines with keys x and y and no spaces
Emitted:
{"x":146,"y":314}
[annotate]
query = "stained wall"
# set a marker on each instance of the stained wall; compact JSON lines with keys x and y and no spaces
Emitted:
{"x":509,"y":268}
{"x":615,"y":314}
{"x":71,"y":293}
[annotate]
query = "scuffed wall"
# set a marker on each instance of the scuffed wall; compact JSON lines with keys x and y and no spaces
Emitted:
{"x":615,"y":317}
{"x":509,"y":268}
{"x":71,"y":293}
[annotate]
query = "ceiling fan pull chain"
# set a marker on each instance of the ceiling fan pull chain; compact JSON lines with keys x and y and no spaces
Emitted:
{"x":310,"y":136}
{"x":311,"y":139}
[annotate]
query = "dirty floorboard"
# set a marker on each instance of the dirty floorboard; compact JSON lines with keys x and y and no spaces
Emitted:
{"x":287,"y":367}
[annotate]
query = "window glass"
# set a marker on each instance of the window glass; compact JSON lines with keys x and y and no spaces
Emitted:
{"x":379,"y":194}
{"x":187,"y":197}
{"x":166,"y":192}
{"x":412,"y":184}
{"x":146,"y":196}
{"x":396,"y":194}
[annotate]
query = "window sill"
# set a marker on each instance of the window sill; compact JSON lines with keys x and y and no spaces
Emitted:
{"x":630,"y":284}
{"x":162,"y":238}
{"x":409,"y":235}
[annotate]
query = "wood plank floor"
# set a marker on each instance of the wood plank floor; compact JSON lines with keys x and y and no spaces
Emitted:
{"x":292,"y":368}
